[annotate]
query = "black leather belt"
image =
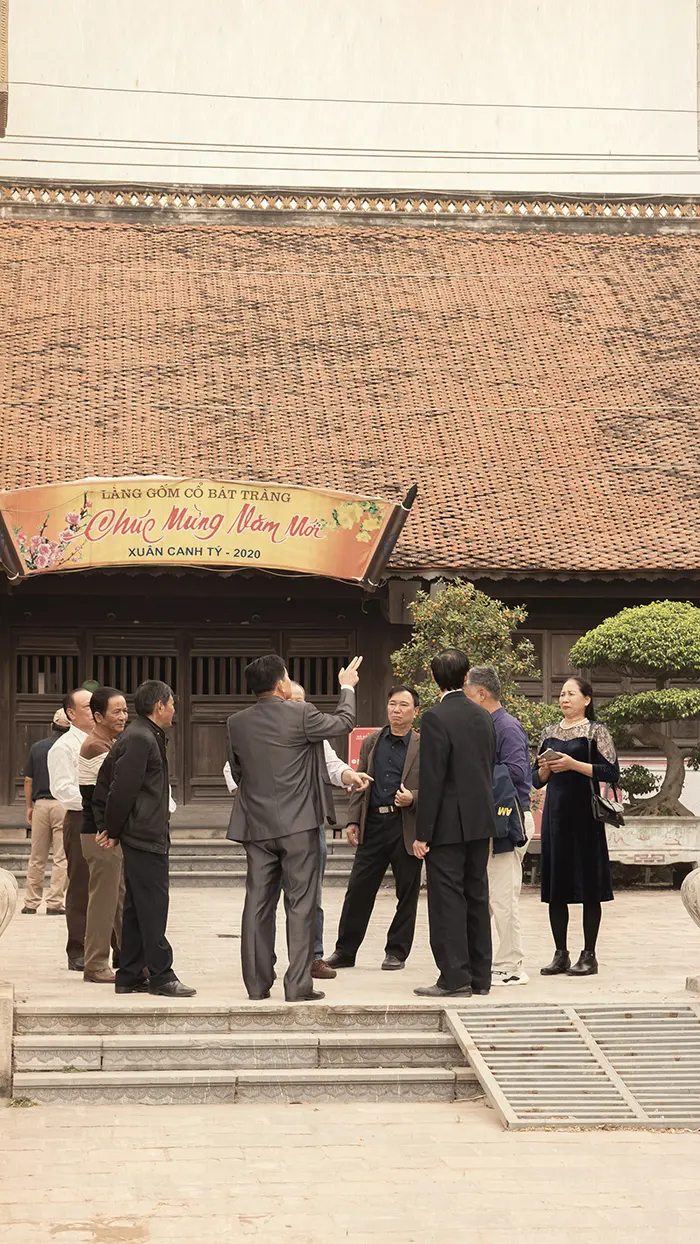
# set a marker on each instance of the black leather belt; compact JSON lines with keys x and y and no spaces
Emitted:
{"x":385,"y":810}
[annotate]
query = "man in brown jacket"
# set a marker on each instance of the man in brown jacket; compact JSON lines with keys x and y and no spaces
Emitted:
{"x":381,"y":824}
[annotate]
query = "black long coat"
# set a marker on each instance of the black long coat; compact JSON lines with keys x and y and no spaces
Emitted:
{"x":575,"y":865}
{"x":457,"y":754}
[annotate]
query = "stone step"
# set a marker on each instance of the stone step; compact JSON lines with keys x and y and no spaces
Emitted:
{"x":220,"y":862}
{"x":236,"y":1051}
{"x":416,"y":1084}
{"x":145,"y":1016}
{"x":206,"y":877}
{"x":183,"y":849}
{"x":201,"y":862}
{"x":236,"y":863}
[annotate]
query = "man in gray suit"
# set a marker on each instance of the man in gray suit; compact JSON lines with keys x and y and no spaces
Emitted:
{"x":276,"y":757}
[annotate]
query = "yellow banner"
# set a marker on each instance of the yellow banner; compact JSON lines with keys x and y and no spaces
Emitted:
{"x":149,"y":520}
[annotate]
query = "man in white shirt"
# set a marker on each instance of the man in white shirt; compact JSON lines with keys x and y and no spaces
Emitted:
{"x":339,"y":774}
{"x":63,"y":782}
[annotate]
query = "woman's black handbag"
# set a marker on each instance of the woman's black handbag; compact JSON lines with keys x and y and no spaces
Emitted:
{"x":607,"y":811}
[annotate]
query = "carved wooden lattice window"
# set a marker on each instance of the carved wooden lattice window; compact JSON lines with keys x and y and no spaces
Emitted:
{"x":317,"y":674}
{"x":46,"y":675}
{"x":127,"y":670}
{"x":224,"y":675}
{"x":219,"y":675}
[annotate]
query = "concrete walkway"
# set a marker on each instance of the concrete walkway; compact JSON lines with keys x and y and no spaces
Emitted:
{"x":357,"y":1173}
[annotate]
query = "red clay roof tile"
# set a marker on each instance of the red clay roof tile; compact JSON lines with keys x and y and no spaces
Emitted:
{"x":541,"y":388}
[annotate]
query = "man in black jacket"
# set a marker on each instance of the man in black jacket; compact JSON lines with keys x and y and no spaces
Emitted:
{"x":456,"y":818}
{"x":131,"y":806}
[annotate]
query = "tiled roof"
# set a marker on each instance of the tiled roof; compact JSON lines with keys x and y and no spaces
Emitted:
{"x":541,"y":388}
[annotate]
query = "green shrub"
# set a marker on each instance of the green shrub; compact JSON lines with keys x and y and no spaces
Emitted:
{"x":458,"y":615}
{"x":660,"y":642}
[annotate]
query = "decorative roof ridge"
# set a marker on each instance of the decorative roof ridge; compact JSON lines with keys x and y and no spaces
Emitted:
{"x":397,"y":569}
{"x":77,"y":197}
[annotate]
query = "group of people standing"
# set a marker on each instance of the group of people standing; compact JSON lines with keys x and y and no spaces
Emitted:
{"x":468,"y":817}
{"x":111,"y":789}
{"x":456,"y":795}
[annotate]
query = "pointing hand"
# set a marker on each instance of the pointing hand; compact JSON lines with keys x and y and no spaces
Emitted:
{"x":360,"y":780}
{"x":350,"y":677}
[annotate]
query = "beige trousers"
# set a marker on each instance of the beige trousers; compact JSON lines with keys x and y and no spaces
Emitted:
{"x":505,"y":873}
{"x":103,"y":924}
{"x":47,"y":831}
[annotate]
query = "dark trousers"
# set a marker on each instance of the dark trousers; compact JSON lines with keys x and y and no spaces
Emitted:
{"x":320,"y":919}
{"x":144,"y":920}
{"x":383,"y":848}
{"x":78,"y":885}
{"x":291,"y":862}
{"x":458,"y":913}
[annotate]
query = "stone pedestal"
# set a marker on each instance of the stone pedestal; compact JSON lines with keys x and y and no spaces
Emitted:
{"x":8,"y":902}
{"x":8,"y":899}
{"x":690,"y":893}
{"x":6,"y":1026}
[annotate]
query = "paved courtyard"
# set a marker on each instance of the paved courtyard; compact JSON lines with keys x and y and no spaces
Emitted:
{"x":647,"y":947}
{"x":350,"y":1172}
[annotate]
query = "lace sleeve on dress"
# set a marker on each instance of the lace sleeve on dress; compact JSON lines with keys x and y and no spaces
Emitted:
{"x":603,"y":741}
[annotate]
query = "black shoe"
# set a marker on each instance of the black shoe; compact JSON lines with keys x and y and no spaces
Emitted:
{"x":259,"y":997}
{"x":314,"y":996}
{"x":481,"y":992}
{"x":171,"y":989}
{"x":28,"y":911}
{"x":392,"y":964}
{"x":139,"y":987}
{"x":437,"y":991}
{"x":76,"y":965}
{"x":337,"y":961}
{"x":55,"y":911}
{"x":587,"y":965}
{"x":560,"y":963}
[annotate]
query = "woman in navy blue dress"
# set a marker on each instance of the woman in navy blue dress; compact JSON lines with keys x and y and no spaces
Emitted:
{"x":575,"y":865}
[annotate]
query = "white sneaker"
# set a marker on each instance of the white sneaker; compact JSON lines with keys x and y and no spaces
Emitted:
{"x":510,"y":978}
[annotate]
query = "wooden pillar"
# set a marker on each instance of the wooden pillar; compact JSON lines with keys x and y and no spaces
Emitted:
{"x":6,"y":724}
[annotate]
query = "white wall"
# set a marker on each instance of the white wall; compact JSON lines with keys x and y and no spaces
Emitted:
{"x":599,"y":54}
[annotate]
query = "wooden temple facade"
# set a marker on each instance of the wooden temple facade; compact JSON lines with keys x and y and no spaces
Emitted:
{"x":538,"y":382}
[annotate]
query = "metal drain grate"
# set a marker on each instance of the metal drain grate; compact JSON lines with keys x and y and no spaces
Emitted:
{"x":657,"y":1053}
{"x":595,"y":1066}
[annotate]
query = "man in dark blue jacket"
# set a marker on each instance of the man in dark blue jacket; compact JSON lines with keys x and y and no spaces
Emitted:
{"x":505,"y":870}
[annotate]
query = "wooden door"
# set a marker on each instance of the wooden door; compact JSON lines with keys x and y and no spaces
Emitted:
{"x":124,"y":659}
{"x":314,"y":659}
{"x":216,"y":688}
{"x":205,"y":670}
{"x":46,"y":666}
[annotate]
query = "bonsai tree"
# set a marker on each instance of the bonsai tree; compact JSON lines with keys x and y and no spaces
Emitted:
{"x":638,"y":780}
{"x":660,"y":641}
{"x":460,"y":616}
